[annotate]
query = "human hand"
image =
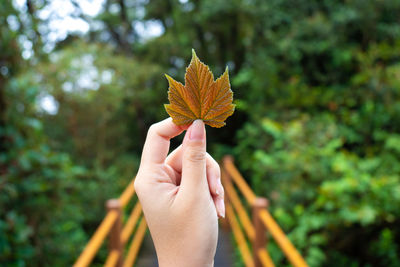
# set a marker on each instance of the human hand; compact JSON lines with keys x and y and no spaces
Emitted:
{"x":181,"y":195}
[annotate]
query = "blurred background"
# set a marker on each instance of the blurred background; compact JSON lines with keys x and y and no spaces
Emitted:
{"x":316,"y":128}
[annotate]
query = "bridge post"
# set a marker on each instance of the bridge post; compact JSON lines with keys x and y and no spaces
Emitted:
{"x":260,"y":239}
{"x":115,"y":242}
{"x":224,"y":178}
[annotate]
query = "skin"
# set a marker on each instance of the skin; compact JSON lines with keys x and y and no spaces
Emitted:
{"x":181,"y":195}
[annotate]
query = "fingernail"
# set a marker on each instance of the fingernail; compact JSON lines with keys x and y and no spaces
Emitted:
{"x":197,"y":130}
{"x":217,"y":192}
{"x":220,"y":207}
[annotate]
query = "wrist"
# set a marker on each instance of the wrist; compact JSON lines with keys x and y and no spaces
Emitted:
{"x":184,"y":262}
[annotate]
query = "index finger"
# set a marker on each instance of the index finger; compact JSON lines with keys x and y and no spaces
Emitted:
{"x":156,"y":147}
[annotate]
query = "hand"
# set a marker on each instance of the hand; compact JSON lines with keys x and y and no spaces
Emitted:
{"x":181,"y":195}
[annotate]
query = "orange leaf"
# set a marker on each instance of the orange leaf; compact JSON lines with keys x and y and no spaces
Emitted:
{"x":201,"y":97}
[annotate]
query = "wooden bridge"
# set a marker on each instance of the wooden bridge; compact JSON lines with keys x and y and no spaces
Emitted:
{"x":250,"y":232}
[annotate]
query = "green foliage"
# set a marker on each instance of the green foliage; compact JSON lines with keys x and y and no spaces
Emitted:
{"x":34,"y":187}
{"x":321,"y":140}
{"x":320,"y":191}
{"x":50,"y":200}
{"x":316,"y":129}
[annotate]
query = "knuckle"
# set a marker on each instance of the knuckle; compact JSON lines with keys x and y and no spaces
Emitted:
{"x":213,"y":161}
{"x":196,"y":155}
{"x":222,"y":191}
{"x":218,"y":168}
{"x":214,"y":165}
{"x":152,"y":130}
{"x":137,"y":185}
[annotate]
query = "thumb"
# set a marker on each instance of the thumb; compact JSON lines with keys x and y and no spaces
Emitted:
{"x":194,"y":159}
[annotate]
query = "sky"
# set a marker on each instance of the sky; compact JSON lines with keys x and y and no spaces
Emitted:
{"x":60,"y":14}
{"x":61,"y":22}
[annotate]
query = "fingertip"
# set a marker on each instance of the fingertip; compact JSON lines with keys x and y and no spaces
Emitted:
{"x":184,"y":127}
{"x":156,"y":146}
{"x":220,"y":206}
{"x":197,"y":132}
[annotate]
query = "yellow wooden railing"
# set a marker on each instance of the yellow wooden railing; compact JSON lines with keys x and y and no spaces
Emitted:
{"x":117,"y":232}
{"x":255,"y":229}
{"x":245,"y":230}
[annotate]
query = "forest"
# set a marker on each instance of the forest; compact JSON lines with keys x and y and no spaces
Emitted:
{"x":316,"y":128}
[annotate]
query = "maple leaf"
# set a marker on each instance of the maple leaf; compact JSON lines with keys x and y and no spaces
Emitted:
{"x":201,"y":97}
